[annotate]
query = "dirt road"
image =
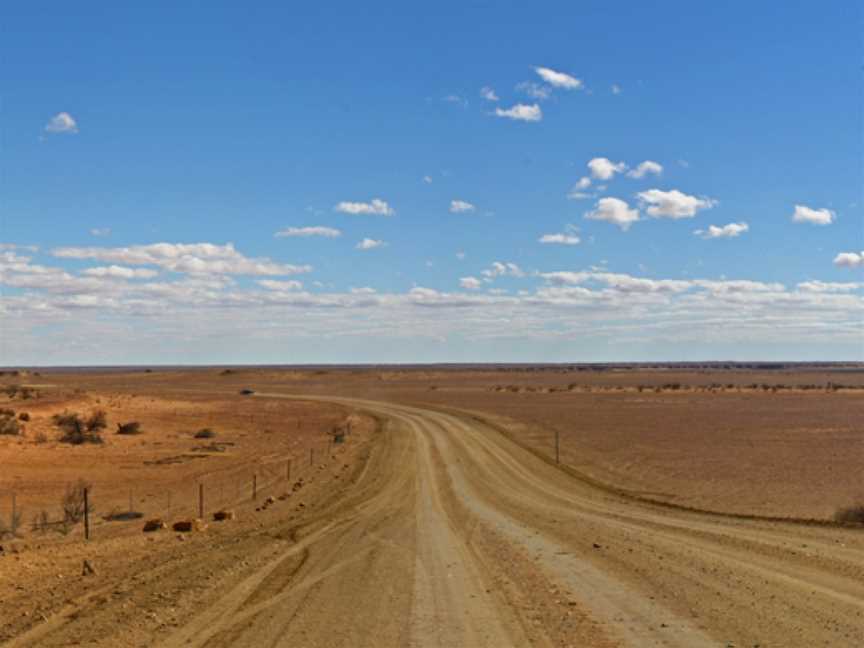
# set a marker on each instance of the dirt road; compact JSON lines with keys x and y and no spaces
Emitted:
{"x":453,"y":535}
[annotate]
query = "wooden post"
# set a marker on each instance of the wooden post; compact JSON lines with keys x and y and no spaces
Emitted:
{"x":557,"y":448}
{"x":201,"y":501}
{"x":254,"y":487}
{"x":311,"y":456}
{"x":288,"y":471}
{"x":86,"y":513}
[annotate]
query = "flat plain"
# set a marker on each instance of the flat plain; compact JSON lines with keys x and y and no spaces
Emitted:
{"x":689,"y":506}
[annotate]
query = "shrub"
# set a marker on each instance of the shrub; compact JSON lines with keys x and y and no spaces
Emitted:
{"x":5,"y":411}
{"x":24,"y":416}
{"x":11,"y":529}
{"x":73,"y":502}
{"x":9,"y":426}
{"x":98,"y":420}
{"x":41,"y":523}
{"x":132,"y":427}
{"x":66,"y":419}
{"x":205,"y":433}
{"x":850,"y":514}
{"x":75,"y":430}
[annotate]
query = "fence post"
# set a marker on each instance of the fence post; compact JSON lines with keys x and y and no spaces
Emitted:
{"x":86,"y":513}
{"x":288,"y":471}
{"x":254,"y":486}
{"x":311,"y":456}
{"x":557,"y":448}
{"x":201,"y":501}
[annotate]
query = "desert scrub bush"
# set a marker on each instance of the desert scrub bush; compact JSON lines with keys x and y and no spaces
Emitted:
{"x":75,"y":430}
{"x":73,"y":502}
{"x":41,"y":523}
{"x":9,"y":426}
{"x":24,"y":416}
{"x":850,"y":514}
{"x":132,"y":427}
{"x":205,"y":433}
{"x":10,"y":529}
{"x":97,"y":420}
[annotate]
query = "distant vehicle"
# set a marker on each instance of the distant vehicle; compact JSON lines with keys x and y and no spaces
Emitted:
{"x":247,"y":392}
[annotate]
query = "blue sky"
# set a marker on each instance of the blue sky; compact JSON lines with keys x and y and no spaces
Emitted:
{"x":206,"y":129}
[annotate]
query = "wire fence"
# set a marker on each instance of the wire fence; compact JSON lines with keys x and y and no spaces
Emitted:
{"x":113,"y":506}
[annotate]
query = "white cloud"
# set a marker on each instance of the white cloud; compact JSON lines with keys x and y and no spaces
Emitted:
{"x":558,"y":79}
{"x":120,"y":272}
{"x":460,"y":255}
{"x":62,"y":123}
{"x":190,"y":258}
{"x":100,"y":231}
{"x":488,"y":93}
{"x":521,"y":112}
{"x":56,"y":313}
{"x":646,"y":167}
{"x":534,"y":90}
{"x":460,"y":206}
{"x":499,"y":269}
{"x":456,"y":99}
{"x":849,"y":260}
{"x":604,"y":169}
{"x":363,"y":290}
{"x":427,"y":179}
{"x":726,"y":231}
{"x":615,"y":211}
{"x":272,"y":284}
{"x":315,"y":230}
{"x":561,"y":239}
{"x":578,"y":191}
{"x":673,"y":204}
{"x":804,"y":214}
{"x":829,"y":287}
{"x":616,"y":89}
{"x":369,"y":244}
{"x":375,"y":207}
{"x":470,"y":283}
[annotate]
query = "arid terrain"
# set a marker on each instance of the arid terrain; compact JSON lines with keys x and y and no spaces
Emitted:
{"x":423,"y":506}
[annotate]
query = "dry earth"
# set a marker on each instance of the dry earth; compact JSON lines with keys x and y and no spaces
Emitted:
{"x":438,"y":528}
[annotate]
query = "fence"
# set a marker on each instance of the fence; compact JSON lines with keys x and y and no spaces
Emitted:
{"x":31,"y":510}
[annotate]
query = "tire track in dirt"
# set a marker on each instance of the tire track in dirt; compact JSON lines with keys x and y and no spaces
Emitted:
{"x":451,"y":535}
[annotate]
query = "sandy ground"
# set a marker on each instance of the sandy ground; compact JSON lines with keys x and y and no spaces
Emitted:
{"x":792,"y":453}
{"x":158,"y":472}
{"x":440,"y":531}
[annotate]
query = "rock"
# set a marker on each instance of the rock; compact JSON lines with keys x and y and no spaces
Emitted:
{"x":222,"y":516}
{"x":270,"y":500}
{"x":596,"y":546}
{"x":87,"y":569}
{"x":185,"y":526}
{"x":156,"y":524}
